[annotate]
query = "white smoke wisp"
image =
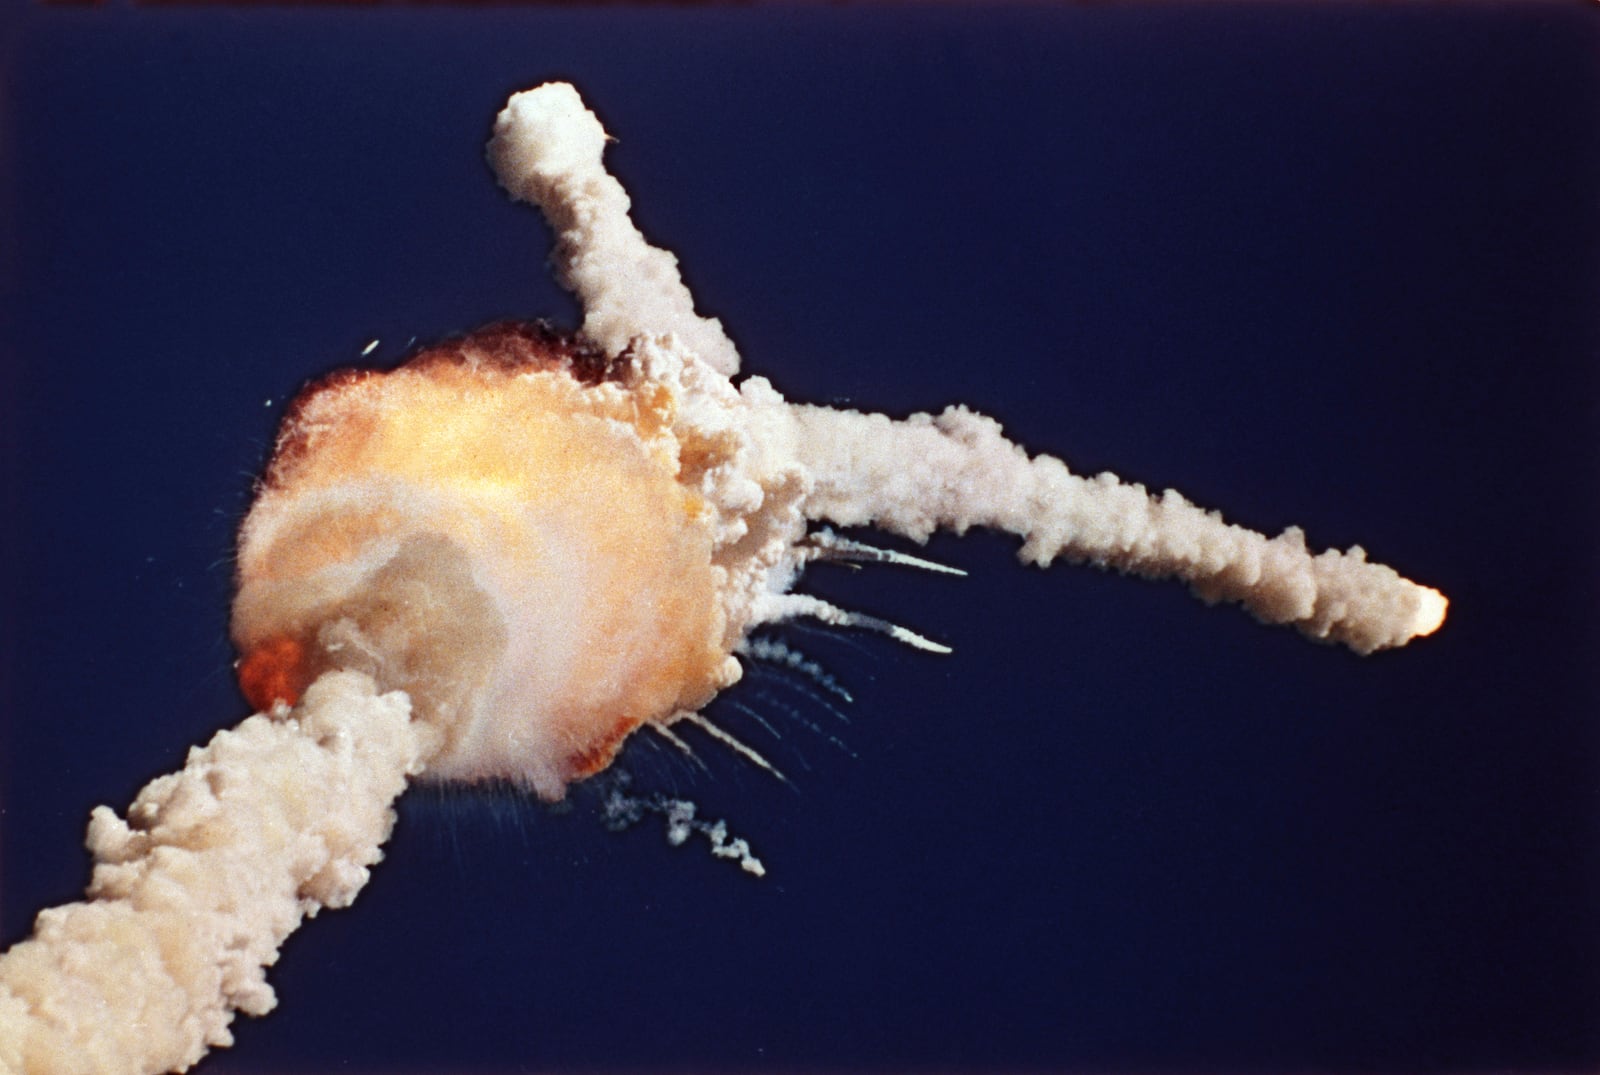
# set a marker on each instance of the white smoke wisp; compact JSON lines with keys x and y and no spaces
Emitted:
{"x":193,"y":894}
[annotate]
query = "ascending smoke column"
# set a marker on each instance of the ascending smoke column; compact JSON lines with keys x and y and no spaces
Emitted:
{"x":194,"y":893}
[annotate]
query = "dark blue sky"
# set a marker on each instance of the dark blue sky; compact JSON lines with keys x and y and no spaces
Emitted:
{"x":1333,"y":266}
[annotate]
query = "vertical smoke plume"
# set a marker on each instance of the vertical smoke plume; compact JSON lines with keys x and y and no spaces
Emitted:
{"x":546,"y":150}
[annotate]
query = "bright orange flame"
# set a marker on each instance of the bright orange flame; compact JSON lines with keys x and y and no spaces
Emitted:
{"x":274,"y":671}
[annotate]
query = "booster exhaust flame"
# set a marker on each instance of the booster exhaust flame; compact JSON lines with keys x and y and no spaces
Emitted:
{"x":501,"y":559}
